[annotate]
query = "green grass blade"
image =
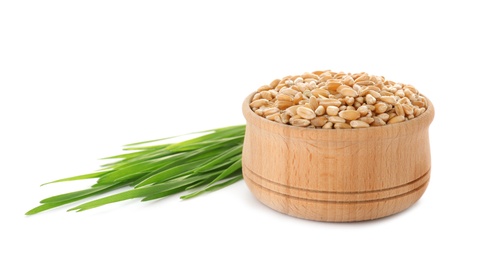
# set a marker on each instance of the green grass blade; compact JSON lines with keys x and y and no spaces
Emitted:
{"x":215,"y":187}
{"x":164,"y":194}
{"x":146,"y":191}
{"x":174,"y":171}
{"x":230,"y":170}
{"x":81,"y":177}
{"x":130,"y":194}
{"x":205,"y":152}
{"x":76,"y":194}
{"x":125,"y":155}
{"x":218,"y":134}
{"x":208,"y":162}
{"x":138,"y":167}
{"x":220,"y":158}
{"x":223,"y":141}
{"x":181,"y":186}
{"x":167,"y":138}
{"x":233,"y":169}
{"x":48,"y":206}
{"x":44,"y":207}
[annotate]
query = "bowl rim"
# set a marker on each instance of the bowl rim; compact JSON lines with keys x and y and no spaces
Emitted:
{"x":417,"y":124}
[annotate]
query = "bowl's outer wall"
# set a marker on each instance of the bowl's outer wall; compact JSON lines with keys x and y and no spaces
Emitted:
{"x":337,"y":174}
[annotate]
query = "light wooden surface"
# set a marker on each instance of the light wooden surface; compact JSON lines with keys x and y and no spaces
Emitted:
{"x":337,"y":175}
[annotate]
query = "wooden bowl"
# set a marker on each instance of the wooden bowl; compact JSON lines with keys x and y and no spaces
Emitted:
{"x":337,"y":175}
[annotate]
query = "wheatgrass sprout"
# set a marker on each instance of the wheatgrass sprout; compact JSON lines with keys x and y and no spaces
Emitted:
{"x":206,"y":163}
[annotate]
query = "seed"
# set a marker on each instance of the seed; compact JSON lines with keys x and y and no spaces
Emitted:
{"x":312,"y":84}
{"x":326,"y":99}
{"x":336,"y":119}
{"x":288,"y":91}
{"x":386,"y":93}
{"x":259,"y":103}
{"x":388,"y":99}
{"x":314,"y":104}
{"x":364,"y":83}
{"x":349,"y":114}
{"x":392,"y":90}
{"x":332,"y":110}
{"x":411,"y":88}
{"x":374,"y":93}
{"x":408,"y":93}
{"x":318,"y":72}
{"x":299,"y":122}
{"x":298,"y":80}
{"x":278,"y":118}
{"x":306,"y":113}
{"x":358,"y":124}
{"x":330,"y":102}
{"x":307,"y":93}
{"x":349,"y":81}
{"x":264,"y":87}
{"x":298,"y":97}
{"x":380,"y":108}
{"x":363,"y":110}
{"x":291,"y":111}
{"x":418,"y":103}
{"x":320,"y":110}
{"x":332,"y":86}
{"x":266,"y":95}
{"x":285,"y":118}
{"x":284,"y":97}
{"x":271,"y":110}
{"x":259,"y":112}
{"x":357,"y":88}
{"x":319,"y":121}
{"x":420,"y":111}
{"x":284,"y":79}
{"x":257,"y":96}
{"x":273,"y":117}
{"x":363,"y":77}
{"x":350,"y":101}
{"x":370,"y":99}
{"x":274,"y":83}
{"x":325,"y":77}
{"x":396,"y":119}
{"x":320,"y":92}
{"x":302,"y":87}
{"x":400,"y":93}
{"x":342,"y":126}
{"x":282,"y":104}
{"x":366,"y":119}
{"x":399,"y":109}
{"x":392,"y":115}
{"x":309,"y":76}
{"x":384,"y":117}
{"x":375,"y":79}
{"x":348,"y":92}
{"x":328,"y":125}
{"x":377,"y":121}
{"x":273,"y":92}
{"x":408,"y":109}
{"x":404,"y":101}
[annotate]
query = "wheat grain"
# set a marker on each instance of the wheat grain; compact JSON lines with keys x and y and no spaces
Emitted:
{"x":327,"y":99}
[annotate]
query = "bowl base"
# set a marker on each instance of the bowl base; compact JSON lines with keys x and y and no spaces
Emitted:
{"x":333,"y":206}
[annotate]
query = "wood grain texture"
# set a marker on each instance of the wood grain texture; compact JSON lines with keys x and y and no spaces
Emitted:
{"x":337,"y":175}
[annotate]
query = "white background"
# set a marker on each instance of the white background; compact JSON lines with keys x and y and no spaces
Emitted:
{"x":80,"y":78}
